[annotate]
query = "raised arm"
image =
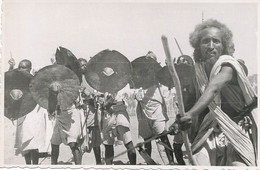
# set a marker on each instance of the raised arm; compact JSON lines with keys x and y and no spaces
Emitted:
{"x":214,"y":87}
{"x":11,"y":63}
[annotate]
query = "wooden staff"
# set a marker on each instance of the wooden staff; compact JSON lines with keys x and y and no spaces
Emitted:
{"x":177,"y":84}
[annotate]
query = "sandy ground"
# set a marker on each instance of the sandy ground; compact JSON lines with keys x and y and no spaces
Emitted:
{"x":65,"y":154}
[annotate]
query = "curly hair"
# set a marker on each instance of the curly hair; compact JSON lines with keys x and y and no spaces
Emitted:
{"x":195,"y":37}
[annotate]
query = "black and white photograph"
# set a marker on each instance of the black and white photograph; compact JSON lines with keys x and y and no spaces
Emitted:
{"x":129,"y":84}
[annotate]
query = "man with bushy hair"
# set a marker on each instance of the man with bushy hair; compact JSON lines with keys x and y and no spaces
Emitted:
{"x":195,"y":37}
{"x":226,"y":99}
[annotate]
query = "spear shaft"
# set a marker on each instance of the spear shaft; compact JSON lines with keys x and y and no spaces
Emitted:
{"x":176,"y":81}
{"x":178,"y":46}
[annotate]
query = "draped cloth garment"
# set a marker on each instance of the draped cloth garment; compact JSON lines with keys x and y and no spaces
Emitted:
{"x":69,"y":126}
{"x":34,"y":131}
{"x":233,"y":132}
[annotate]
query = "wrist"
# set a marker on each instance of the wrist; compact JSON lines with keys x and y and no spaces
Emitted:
{"x":190,"y":114}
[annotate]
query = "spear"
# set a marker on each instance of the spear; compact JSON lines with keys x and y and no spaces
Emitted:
{"x":144,"y":155}
{"x":178,"y":46}
{"x":176,"y":81}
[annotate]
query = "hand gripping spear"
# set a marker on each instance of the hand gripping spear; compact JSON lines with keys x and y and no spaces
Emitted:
{"x":176,"y":81}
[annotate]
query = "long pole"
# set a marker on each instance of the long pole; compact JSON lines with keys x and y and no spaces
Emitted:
{"x":176,"y":81}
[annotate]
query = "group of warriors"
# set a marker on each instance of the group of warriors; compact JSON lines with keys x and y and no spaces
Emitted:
{"x":83,"y":98}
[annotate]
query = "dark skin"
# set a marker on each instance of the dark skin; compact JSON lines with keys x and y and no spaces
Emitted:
{"x":32,"y":156}
{"x":108,"y":102}
{"x":24,"y":65}
{"x":76,"y":152}
{"x":83,"y":65}
{"x":74,"y":146}
{"x":11,"y":62}
{"x":75,"y":149}
{"x":214,"y":87}
{"x":97,"y":150}
{"x":211,"y":48}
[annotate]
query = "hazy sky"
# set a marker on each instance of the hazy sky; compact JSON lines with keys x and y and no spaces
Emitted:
{"x":34,"y":29}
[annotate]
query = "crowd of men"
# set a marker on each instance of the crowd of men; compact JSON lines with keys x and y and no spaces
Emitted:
{"x":221,"y":126}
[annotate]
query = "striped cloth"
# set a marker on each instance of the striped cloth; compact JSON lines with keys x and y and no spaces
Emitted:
{"x":238,"y":138}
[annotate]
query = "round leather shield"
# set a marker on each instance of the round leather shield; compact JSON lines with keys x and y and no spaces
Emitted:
{"x":17,"y":97}
{"x":185,"y":59}
{"x":65,"y":57}
{"x":185,"y":72}
{"x":58,"y":75}
{"x":108,"y":71}
{"x":144,"y":72}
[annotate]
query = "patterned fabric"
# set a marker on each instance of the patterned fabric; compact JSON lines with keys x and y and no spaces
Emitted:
{"x":238,"y":138}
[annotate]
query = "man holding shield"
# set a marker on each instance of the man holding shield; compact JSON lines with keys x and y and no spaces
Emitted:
{"x":151,"y":108}
{"x":117,"y":124}
{"x":108,"y":72}
{"x":90,"y":107}
{"x":33,"y":132}
{"x":61,"y":94}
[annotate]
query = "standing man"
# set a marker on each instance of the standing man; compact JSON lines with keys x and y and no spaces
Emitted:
{"x":31,"y":132}
{"x":114,"y":117}
{"x":68,"y":130}
{"x":116,"y":123}
{"x":91,"y":111}
{"x":152,"y":116}
{"x":151,"y":107}
{"x":225,"y":104}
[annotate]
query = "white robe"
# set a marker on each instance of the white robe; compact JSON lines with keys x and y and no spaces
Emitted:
{"x":34,"y":131}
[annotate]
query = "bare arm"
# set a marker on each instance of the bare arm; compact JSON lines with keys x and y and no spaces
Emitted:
{"x":11,"y":63}
{"x":214,"y":87}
